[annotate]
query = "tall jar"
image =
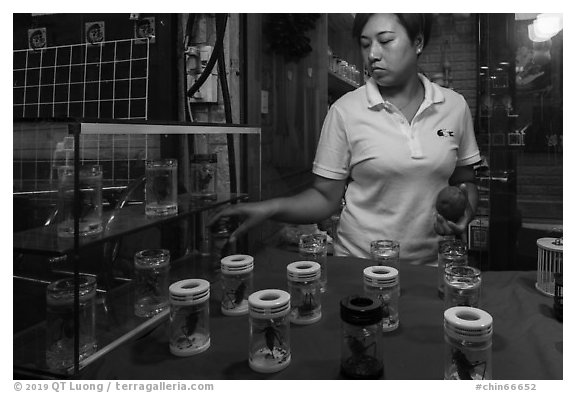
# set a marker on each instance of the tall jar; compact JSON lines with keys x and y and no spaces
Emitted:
{"x":269,"y":341}
{"x":362,"y":354}
{"x":304,"y":287}
{"x":468,"y":344}
{"x":60,"y":321}
{"x":451,"y":251}
{"x":189,"y":330}
{"x":382,"y":282}
{"x":161,"y":191}
{"x":237,"y":284}
{"x":462,"y":285}
{"x":152,"y":280}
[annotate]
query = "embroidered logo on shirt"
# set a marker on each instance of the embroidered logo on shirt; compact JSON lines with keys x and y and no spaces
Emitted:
{"x":444,"y":132}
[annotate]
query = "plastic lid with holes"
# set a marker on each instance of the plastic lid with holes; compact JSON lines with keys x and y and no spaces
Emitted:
{"x":237,"y":264}
{"x":468,"y":324}
{"x":269,"y":303}
{"x":188,"y":292}
{"x":303,"y":271}
{"x":380,"y":276}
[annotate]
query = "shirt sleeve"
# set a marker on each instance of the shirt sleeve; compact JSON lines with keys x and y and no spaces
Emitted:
{"x":468,"y":152}
{"x":332,"y":159}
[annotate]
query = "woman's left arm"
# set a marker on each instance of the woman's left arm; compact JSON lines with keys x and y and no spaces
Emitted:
{"x":464,"y":178}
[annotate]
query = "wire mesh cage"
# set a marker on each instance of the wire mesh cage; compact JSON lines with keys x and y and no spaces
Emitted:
{"x":549,"y":263}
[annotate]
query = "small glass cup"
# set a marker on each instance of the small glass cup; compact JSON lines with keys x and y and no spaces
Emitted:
{"x":60,"y":321}
{"x":314,"y":247}
{"x":450,"y":252}
{"x":462,"y":286}
{"x":152,"y":280}
{"x":90,"y":189}
{"x":161,"y":187}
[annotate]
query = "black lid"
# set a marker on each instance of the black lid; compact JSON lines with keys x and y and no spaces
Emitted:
{"x":199,"y":158}
{"x":361,"y":310}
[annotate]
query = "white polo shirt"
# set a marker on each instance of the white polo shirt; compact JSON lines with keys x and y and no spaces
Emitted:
{"x":395,"y":169}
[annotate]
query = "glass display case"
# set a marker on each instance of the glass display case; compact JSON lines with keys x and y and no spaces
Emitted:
{"x":80,"y":195}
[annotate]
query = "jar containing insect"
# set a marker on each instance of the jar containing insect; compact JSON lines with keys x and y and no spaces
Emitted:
{"x":304,"y":288}
{"x":161,"y":189}
{"x":189,"y":328}
{"x":362,"y":356}
{"x":382,"y":282}
{"x":236,"y":284}
{"x":269,"y":341}
{"x":61,"y":325}
{"x":204,"y":170}
{"x":152,"y":279}
{"x":462,"y":286}
{"x":468,"y":343}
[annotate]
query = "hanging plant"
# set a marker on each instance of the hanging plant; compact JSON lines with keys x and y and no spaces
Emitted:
{"x":286,"y":34}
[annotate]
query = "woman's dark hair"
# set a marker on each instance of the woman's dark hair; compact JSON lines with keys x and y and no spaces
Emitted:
{"x":414,"y":24}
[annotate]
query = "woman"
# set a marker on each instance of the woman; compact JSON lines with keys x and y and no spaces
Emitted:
{"x":389,"y":147}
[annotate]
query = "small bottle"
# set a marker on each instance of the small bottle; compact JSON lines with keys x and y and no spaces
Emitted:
{"x":361,"y":347}
{"x":236,"y":284}
{"x":462,"y":286}
{"x":269,"y":341}
{"x":558,"y":296}
{"x":382,"y":282}
{"x":304,"y":288}
{"x":189,"y":330}
{"x":468,"y":343}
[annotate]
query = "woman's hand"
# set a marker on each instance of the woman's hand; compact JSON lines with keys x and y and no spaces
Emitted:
{"x":250,"y":214}
{"x":444,"y":227}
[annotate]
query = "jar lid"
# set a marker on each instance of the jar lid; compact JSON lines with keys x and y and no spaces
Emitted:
{"x":380,"y":276}
{"x":190,"y":291}
{"x":269,"y":303}
{"x":237,"y":264}
{"x":200,"y":158}
{"x":361,"y":310}
{"x":467,"y":323}
{"x":152,"y":258}
{"x":302,"y":271}
{"x":62,"y":291}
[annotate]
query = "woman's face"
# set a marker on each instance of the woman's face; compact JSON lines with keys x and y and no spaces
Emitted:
{"x":387,"y":51}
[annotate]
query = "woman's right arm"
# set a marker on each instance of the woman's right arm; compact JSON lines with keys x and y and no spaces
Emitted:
{"x":310,"y":206}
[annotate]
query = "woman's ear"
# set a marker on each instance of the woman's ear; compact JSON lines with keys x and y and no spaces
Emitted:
{"x":419,"y":44}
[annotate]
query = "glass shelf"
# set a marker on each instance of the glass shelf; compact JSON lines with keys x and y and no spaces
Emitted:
{"x":130,"y":219}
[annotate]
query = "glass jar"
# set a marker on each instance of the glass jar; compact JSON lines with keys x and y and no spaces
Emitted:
{"x":204,"y":172}
{"x":237,"y":278}
{"x":304,"y":288}
{"x":269,"y":341}
{"x":189,"y":329}
{"x":60,"y":322}
{"x":462,"y":286}
{"x":314,"y":247}
{"x":451,"y":251}
{"x":385,"y":252}
{"x":361,"y":346}
{"x":90,"y":196}
{"x":161,"y":187}
{"x":152,"y":279}
{"x":382,"y":282}
{"x":467,"y":344}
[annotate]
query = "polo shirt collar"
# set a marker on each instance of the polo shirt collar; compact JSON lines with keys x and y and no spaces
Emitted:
{"x":432,"y":93}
